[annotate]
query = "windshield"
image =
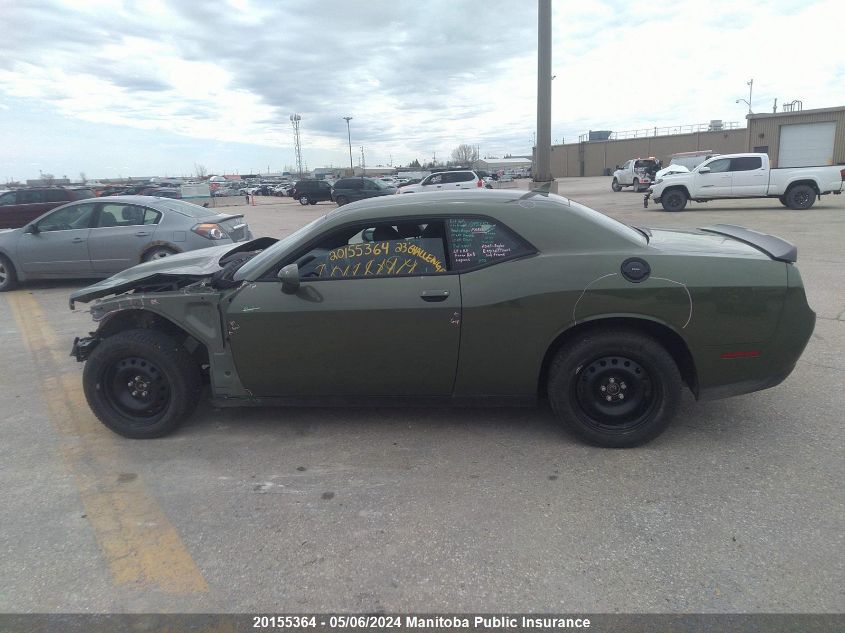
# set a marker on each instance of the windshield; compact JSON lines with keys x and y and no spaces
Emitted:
{"x":258,"y":262}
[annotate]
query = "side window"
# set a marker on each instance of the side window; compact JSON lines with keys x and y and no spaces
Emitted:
{"x":627,"y":165}
{"x":369,"y":185}
{"x":482,"y":242}
{"x":30,"y":196}
{"x":151,"y":217}
{"x":77,"y":216}
{"x":8,"y":198}
{"x":462,"y":176}
{"x":55,"y":195}
{"x":719,"y":166}
{"x":746,"y":163}
{"x":117,"y":214}
{"x":436,"y":179}
{"x":378,"y":250}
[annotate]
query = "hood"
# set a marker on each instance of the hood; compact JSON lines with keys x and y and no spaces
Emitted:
{"x":193,"y":265}
{"x":671,"y":170}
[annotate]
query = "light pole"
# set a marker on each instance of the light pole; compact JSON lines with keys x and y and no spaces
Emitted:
{"x":543,"y":147}
{"x":349,"y":137}
{"x":750,"y":84}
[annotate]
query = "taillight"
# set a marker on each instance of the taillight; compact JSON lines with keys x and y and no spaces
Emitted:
{"x":210,"y":231}
{"x":480,"y":183}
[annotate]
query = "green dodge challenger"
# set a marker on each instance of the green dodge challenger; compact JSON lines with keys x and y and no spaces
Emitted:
{"x":483,"y":298}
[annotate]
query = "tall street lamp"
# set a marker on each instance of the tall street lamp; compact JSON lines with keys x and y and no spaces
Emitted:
{"x":349,"y":137}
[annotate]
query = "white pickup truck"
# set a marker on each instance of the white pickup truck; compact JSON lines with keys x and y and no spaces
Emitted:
{"x":746,"y":176}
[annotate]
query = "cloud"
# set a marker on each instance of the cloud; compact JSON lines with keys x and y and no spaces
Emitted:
{"x":418,"y":78}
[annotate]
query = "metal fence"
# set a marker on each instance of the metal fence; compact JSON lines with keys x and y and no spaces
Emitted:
{"x":713,"y":126}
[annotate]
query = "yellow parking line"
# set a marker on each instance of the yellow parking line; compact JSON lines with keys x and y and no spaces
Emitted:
{"x":139,"y":543}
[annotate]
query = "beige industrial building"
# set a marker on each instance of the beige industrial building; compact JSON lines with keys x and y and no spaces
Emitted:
{"x":791,"y":139}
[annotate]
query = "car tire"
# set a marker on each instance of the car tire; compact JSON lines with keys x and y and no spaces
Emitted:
{"x":8,"y":274}
{"x":616,"y":186}
{"x":783,"y":201}
{"x":636,"y":185}
{"x":159,"y":252}
{"x":674,"y":200}
{"x":134,"y":362}
{"x":800,"y":197}
{"x":341,"y":200}
{"x":312,"y":201}
{"x":303,"y":200}
{"x":632,"y":369}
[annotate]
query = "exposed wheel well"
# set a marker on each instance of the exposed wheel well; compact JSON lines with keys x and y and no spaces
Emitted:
{"x":681,"y":187}
{"x":144,"y":319}
{"x":811,"y":183}
{"x":670,"y":341}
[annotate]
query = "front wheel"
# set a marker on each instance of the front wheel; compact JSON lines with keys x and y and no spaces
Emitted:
{"x":614,"y":388}
{"x":674,"y":200}
{"x":141,"y":383}
{"x":800,"y":197}
{"x":303,"y":200}
{"x":341,"y":200}
{"x":616,"y":186}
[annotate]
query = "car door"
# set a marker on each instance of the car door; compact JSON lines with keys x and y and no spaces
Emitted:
{"x":354,"y":189}
{"x":464,"y":180}
{"x":435,"y":182}
{"x":57,"y":244}
{"x":369,"y":189}
{"x":748,"y":177}
{"x":119,"y":234}
{"x":714,"y":183}
{"x":359,"y":324}
{"x":627,"y":175}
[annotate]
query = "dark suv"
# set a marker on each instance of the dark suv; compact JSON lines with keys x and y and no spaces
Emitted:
{"x":21,"y":206}
{"x":352,"y":189}
{"x":311,"y":191}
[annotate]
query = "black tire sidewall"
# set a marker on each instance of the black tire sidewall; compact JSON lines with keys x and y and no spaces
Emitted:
{"x":790,"y":197}
{"x":171,"y":358}
{"x":577,"y":353}
{"x":615,"y":186}
{"x":668,"y":196}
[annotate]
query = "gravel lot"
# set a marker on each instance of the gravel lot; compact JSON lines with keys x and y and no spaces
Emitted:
{"x":738,"y":507}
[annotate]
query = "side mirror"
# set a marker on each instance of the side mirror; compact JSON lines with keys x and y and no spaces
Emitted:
{"x":289,"y":276}
{"x":704,"y":170}
{"x":31,"y":228}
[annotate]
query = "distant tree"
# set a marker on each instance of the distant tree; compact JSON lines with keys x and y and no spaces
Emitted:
{"x":464,"y":154}
{"x":48,"y":179}
{"x":82,"y":178}
{"x":200,"y":170}
{"x":415,"y":163}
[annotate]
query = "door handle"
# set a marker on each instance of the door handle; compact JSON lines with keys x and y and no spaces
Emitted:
{"x":142,"y":233}
{"x":77,"y":240}
{"x":434,"y":295}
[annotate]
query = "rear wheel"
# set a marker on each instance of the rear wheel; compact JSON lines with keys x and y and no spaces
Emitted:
{"x":312,"y":201}
{"x":636,"y":185}
{"x":303,"y":200}
{"x":783,"y":201}
{"x":674,"y":200}
{"x":614,"y":388}
{"x":8,"y":276}
{"x":616,"y":186}
{"x":159,"y":252}
{"x":800,"y":197}
{"x":141,"y":383}
{"x":341,"y":200}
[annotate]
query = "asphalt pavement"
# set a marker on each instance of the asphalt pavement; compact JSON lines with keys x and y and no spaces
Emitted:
{"x":738,"y":507}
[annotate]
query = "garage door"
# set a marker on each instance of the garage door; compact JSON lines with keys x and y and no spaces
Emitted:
{"x":806,"y":144}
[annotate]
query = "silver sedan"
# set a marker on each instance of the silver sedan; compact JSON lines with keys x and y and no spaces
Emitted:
{"x":101,"y":236}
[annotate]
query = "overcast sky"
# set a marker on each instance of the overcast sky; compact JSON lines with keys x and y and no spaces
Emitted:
{"x":154,"y":88}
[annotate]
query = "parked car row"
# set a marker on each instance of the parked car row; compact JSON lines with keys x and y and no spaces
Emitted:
{"x":98,"y":237}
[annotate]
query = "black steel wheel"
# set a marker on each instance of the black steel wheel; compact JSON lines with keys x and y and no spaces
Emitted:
{"x":800,"y":197}
{"x":141,"y":383}
{"x":674,"y":200}
{"x":616,"y":186}
{"x":614,"y":388}
{"x":8,"y":276}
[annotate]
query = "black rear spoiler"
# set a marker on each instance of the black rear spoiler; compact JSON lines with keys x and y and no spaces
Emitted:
{"x":772,"y":246}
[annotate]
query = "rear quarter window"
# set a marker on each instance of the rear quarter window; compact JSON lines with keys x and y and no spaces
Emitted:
{"x":480,"y":242}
